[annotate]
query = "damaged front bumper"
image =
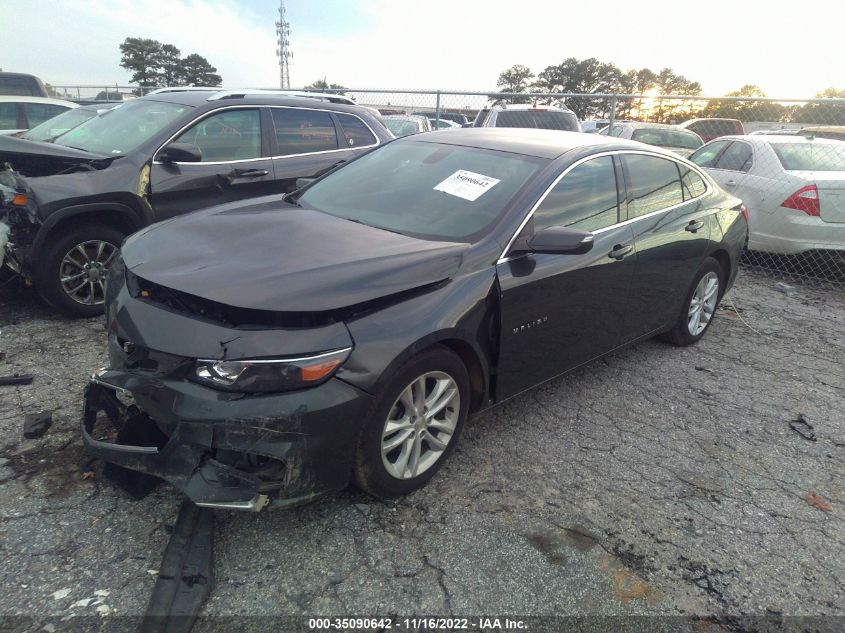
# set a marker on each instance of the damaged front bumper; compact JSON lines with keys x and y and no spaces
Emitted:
{"x":280,"y":450}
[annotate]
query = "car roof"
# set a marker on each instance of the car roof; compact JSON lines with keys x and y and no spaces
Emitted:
{"x":530,"y":106}
{"x":775,"y":139}
{"x":662,"y":126}
{"x":199,"y":98}
{"x":529,"y":141}
{"x":28,"y":99}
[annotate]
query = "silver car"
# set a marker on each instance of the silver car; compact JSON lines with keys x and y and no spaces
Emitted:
{"x":792,"y":186}
{"x":403,"y":125}
{"x":671,"y":137}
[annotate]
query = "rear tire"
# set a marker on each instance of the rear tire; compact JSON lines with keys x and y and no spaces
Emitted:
{"x":77,"y":261}
{"x":413,"y":425}
{"x":699,"y":305}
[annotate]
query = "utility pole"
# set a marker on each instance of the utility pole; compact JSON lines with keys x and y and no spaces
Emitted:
{"x":283,"y":51}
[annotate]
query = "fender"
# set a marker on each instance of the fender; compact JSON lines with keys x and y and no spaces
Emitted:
{"x":130,"y":216}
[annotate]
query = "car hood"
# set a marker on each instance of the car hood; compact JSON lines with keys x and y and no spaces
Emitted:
{"x":275,"y":256}
{"x":36,"y":158}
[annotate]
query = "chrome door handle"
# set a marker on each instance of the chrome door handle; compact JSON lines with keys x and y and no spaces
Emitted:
{"x":693,"y":226}
{"x":620,"y":251}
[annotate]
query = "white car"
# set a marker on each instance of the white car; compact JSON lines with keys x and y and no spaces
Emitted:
{"x":19,"y":113}
{"x":544,"y":117}
{"x":792,"y":186}
{"x":671,"y":137}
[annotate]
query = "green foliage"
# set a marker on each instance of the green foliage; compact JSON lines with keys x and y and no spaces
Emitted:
{"x":155,"y":64}
{"x":822,"y":113}
{"x":515,"y":79}
{"x":196,"y":71}
{"x":322,"y":84}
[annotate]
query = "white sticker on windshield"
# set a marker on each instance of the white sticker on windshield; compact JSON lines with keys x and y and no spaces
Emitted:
{"x":467,"y":185}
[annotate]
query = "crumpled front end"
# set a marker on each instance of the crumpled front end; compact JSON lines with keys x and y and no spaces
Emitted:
{"x":18,"y":219}
{"x":220,"y":448}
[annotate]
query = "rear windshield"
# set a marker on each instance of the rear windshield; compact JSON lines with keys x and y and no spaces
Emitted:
{"x":667,"y":138}
{"x":714,"y":127}
{"x":10,"y":85}
{"x":400,"y":127}
{"x":542,"y":119}
{"x":425,"y":190}
{"x":810,"y":156}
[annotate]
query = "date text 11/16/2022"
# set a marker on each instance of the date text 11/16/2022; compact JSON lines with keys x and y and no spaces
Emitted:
{"x":417,"y":623}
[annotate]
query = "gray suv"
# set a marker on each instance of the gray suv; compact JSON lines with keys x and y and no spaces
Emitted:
{"x":544,"y":117}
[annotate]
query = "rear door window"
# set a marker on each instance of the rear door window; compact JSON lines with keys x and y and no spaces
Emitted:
{"x":586,"y":198}
{"x":226,"y":136}
{"x":707,"y":155}
{"x":736,"y":158}
{"x":301,"y":131}
{"x":355,"y":131}
{"x":654,"y":184}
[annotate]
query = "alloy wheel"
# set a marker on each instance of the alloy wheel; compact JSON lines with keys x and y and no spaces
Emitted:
{"x":83,"y":269}
{"x":703,"y":303}
{"x":420,"y":424}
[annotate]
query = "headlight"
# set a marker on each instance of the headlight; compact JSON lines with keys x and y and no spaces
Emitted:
{"x":262,"y":376}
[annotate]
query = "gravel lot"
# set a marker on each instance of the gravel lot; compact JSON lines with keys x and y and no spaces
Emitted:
{"x":660,"y":481}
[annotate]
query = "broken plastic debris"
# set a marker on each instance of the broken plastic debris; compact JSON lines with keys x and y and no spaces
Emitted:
{"x":784,"y":288}
{"x":61,"y":594}
{"x":104,"y":609}
{"x":803,"y":427}
{"x":102,"y":593}
{"x":36,"y":424}
{"x":16,"y":379}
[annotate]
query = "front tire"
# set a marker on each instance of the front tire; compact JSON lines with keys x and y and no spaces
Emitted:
{"x":71,"y":275}
{"x":413,"y":425}
{"x":699,"y":305}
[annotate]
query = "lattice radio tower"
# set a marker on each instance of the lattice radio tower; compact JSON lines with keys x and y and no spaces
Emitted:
{"x":283,"y":51}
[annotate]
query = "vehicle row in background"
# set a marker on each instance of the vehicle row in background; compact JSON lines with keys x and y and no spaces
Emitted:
{"x":404,"y":125}
{"x":70,"y":202}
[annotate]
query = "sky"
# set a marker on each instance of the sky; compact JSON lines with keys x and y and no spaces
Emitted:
{"x":437,"y":44}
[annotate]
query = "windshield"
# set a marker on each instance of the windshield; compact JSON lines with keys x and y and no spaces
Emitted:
{"x":58,"y":125}
{"x":123,"y":128}
{"x":424,"y":189}
{"x":542,"y":119}
{"x":667,"y":138}
{"x":811,"y":156}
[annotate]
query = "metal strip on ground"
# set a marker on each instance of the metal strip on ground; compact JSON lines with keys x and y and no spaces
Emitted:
{"x":186,"y":575}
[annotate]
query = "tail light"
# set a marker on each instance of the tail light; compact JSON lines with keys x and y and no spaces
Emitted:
{"x":744,"y":211}
{"x":806,"y":199}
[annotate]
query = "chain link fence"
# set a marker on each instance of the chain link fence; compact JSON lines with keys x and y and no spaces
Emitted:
{"x":788,"y":167}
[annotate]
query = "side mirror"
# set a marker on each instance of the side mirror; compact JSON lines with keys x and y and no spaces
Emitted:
{"x":180,"y":153}
{"x":561,"y":240}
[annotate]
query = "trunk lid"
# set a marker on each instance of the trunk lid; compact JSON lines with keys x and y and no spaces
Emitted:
{"x":831,"y":188}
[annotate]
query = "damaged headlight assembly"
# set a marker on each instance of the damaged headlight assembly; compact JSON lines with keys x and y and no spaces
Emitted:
{"x":265,"y":376}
